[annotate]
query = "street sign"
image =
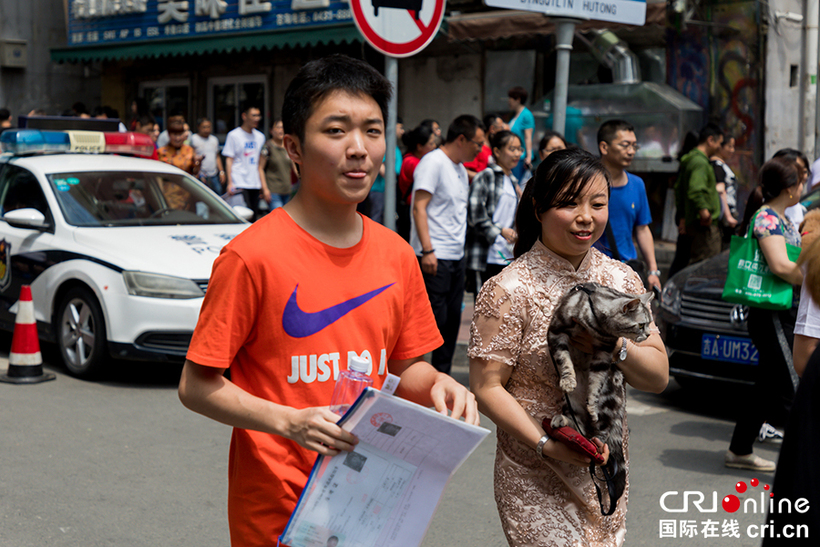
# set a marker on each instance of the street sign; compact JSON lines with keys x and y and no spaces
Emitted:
{"x":398,"y":28}
{"x":630,"y":12}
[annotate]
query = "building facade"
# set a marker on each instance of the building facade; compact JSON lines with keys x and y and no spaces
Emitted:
{"x":29,"y":79}
{"x":750,"y":66}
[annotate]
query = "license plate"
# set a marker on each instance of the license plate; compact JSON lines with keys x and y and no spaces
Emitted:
{"x":732,"y":349}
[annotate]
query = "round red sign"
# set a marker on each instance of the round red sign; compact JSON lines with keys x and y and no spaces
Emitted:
{"x":398,"y":28}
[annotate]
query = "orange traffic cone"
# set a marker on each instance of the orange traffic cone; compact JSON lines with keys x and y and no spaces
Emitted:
{"x":25,"y":359}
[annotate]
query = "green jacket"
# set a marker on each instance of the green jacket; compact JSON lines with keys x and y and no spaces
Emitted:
{"x":696,"y":188}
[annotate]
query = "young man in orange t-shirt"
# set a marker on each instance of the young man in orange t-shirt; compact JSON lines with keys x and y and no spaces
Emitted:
{"x":293,"y":297}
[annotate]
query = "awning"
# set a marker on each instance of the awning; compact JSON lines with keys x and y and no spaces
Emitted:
{"x":210,"y":44}
{"x":493,"y":25}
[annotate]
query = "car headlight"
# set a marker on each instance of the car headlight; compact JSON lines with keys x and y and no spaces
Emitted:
{"x":160,"y":286}
{"x":670,"y":298}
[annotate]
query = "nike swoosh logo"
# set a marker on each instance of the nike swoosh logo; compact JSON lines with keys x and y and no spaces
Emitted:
{"x":299,"y":324}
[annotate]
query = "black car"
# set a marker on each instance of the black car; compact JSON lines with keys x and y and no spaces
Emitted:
{"x":705,"y":336}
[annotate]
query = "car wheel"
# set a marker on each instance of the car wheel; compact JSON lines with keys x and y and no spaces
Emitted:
{"x":81,"y":332}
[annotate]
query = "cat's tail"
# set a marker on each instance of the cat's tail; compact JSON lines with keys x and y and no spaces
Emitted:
{"x":616,"y":468}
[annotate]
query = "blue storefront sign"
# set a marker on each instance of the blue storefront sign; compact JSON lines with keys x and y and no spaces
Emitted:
{"x":100,"y":22}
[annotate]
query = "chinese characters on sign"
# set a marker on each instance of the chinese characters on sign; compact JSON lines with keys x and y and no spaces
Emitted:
{"x":97,"y":22}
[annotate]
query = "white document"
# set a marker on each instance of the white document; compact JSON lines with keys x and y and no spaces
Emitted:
{"x":385,"y":492}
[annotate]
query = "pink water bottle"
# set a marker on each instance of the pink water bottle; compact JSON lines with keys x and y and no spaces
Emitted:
{"x":350,"y":385}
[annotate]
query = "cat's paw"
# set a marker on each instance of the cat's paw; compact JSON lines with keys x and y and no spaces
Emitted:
{"x":559,"y":421}
{"x":567,"y":384}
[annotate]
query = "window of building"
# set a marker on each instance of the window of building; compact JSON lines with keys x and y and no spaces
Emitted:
{"x":227,"y":97}
{"x":166,"y":96}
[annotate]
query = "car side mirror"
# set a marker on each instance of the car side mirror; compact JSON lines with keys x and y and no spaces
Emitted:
{"x":243,"y":212}
{"x":27,"y":218}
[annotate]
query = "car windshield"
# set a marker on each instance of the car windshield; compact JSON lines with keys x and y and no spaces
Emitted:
{"x":123,"y":198}
{"x":811,"y":200}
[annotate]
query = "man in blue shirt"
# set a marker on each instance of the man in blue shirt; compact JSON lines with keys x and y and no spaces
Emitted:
{"x":628,"y":205}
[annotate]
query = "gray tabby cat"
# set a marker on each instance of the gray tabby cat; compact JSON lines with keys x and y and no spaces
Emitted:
{"x":593,"y":383}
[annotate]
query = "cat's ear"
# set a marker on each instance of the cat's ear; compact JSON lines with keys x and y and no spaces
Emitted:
{"x":647,"y":297}
{"x":632,"y":305}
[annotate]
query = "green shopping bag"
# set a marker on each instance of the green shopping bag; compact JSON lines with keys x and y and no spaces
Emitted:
{"x":750,"y":281}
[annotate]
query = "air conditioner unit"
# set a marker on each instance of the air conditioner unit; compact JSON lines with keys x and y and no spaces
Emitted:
{"x":13,"y":53}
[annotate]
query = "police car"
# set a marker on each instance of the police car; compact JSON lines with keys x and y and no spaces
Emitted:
{"x":117,"y":249}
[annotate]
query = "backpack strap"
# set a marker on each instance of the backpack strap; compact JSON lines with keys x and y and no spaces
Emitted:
{"x":610,"y":238}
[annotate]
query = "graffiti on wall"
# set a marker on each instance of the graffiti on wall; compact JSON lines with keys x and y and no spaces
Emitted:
{"x":689,"y":64}
{"x":736,"y":96}
{"x":716,"y":66}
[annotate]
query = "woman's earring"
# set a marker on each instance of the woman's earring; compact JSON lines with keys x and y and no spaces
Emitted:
{"x":791,"y":197}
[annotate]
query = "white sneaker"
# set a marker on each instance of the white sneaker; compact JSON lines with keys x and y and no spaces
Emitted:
{"x":770,"y":434}
{"x":750,"y":461}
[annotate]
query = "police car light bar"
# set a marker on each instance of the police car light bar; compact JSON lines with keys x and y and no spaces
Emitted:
{"x":22,"y":141}
{"x":87,"y":141}
{"x":137,"y":144}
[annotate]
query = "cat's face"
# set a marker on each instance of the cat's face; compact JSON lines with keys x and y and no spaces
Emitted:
{"x":634,"y":316}
{"x":629,"y":315}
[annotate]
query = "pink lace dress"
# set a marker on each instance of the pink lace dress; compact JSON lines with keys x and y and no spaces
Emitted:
{"x":543,"y":503}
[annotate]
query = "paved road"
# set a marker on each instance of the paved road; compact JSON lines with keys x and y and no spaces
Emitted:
{"x":120,"y":462}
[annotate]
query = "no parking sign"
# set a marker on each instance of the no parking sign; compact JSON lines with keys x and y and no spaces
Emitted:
{"x":398,"y":28}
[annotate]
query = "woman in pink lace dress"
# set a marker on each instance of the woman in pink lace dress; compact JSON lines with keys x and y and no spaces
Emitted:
{"x":547,"y":498}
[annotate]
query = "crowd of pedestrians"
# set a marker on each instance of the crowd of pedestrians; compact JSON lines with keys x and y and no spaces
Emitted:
{"x":486,"y":155}
{"x":249,"y":170}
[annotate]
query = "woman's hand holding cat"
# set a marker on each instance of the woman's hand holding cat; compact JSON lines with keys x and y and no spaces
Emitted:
{"x":646,"y":366}
{"x":583,"y":341}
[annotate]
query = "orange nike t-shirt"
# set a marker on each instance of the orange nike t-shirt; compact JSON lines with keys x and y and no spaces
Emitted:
{"x":284,"y":312}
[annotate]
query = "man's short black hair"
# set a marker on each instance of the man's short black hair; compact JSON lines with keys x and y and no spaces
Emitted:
{"x":466,"y":125}
{"x":489,"y":120}
{"x":610,"y":128}
{"x":319,"y":78}
{"x":79,"y":108}
{"x":711,"y":129}
{"x":247,"y":107}
{"x":792,"y":154}
{"x":4,"y":114}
